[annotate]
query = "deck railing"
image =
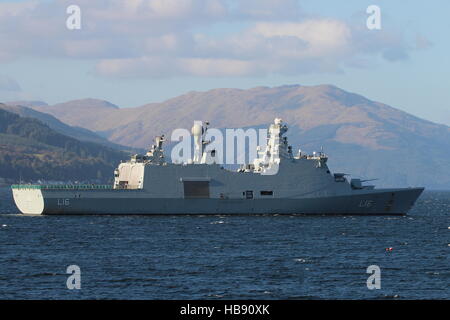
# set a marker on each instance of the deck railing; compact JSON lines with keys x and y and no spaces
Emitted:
{"x":62,"y":186}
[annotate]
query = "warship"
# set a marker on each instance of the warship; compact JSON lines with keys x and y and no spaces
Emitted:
{"x":276,"y":182}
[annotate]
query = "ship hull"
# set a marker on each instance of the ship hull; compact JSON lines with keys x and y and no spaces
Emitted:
{"x":134,"y":202}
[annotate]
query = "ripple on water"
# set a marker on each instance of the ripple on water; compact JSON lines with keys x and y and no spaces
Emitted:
{"x":226,"y":257}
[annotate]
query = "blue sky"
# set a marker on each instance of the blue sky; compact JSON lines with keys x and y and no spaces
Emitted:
{"x":139,"y":51}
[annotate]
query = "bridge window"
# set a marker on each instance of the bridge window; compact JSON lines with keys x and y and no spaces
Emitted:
{"x":267,"y":193}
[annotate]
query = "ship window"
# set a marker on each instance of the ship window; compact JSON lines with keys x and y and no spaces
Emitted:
{"x":196,"y":189}
{"x":267,"y":193}
{"x":123,"y":184}
{"x":248,"y":194}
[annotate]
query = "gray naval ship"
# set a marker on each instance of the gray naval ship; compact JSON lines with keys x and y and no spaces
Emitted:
{"x":277,"y":182}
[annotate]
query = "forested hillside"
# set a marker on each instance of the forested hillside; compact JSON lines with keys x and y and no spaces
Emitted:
{"x":30,"y":150}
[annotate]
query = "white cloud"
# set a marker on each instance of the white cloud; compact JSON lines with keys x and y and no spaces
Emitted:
{"x":16,"y":9}
{"x":217,"y":67}
{"x":422,"y":42}
{"x":166,"y":67}
{"x":320,"y":36}
{"x":8,"y":84}
{"x":268,"y":10}
{"x":10,"y":89}
{"x":160,"y":38}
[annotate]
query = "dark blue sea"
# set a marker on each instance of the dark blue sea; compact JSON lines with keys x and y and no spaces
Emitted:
{"x":226,"y":257}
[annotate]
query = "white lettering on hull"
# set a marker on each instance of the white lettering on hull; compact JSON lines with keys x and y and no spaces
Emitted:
{"x":63,"y":202}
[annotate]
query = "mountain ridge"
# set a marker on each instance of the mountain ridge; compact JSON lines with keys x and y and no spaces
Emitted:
{"x":346,"y":123}
{"x":78,"y":133}
{"x":31,"y":150}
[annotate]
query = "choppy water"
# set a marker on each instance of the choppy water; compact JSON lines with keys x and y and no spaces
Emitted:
{"x":229,"y":257}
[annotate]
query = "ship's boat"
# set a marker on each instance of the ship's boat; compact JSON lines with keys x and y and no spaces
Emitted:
{"x":276,"y":182}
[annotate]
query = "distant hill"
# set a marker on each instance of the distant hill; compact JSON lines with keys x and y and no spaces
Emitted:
{"x":30,"y":150}
{"x":79,"y":111}
{"x":362,"y":137}
{"x":25,"y":103}
{"x":78,"y":133}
